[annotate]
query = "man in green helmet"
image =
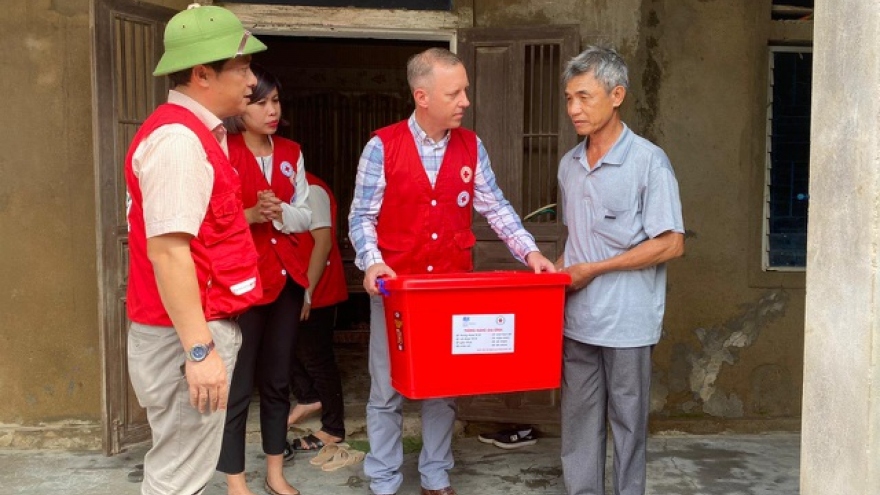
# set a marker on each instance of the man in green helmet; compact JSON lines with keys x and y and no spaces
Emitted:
{"x":192,"y":262}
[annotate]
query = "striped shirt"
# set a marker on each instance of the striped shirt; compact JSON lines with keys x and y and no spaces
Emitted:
{"x":174,"y":173}
{"x":370,"y":189}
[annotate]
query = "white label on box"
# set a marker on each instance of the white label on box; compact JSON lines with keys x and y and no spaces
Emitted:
{"x":482,"y":334}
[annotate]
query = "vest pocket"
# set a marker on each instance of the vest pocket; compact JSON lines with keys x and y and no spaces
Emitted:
{"x":396,"y":242}
{"x":232,"y":285}
{"x":465,"y":239}
{"x":228,"y":218}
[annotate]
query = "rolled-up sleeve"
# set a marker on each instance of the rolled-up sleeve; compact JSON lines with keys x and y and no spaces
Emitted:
{"x":296,"y":216}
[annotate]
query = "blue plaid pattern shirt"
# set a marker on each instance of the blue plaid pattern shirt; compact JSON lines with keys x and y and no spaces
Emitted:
{"x":370,"y":189}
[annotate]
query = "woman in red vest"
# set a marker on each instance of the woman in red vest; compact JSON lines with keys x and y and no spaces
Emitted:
{"x":314,"y":377}
{"x":274,"y":192}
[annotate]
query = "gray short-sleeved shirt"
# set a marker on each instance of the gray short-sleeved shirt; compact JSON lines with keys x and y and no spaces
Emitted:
{"x":631,"y":195}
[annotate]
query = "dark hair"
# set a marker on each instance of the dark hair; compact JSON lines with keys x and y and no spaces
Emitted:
{"x":182,"y":77}
{"x":266,"y":82}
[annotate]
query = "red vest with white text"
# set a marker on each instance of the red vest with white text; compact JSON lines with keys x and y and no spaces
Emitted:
{"x":423,"y":229}
{"x":223,"y":250}
{"x":280,"y":257}
{"x":331,"y":287}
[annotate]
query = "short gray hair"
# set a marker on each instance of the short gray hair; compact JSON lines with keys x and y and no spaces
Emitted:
{"x":420,"y":65}
{"x":605,"y":64}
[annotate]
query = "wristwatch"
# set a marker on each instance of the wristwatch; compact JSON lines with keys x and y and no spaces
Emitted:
{"x":198,"y":352}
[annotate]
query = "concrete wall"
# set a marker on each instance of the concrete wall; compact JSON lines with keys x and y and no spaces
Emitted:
{"x":840,"y":439}
{"x":50,"y":362}
{"x":733,"y":339}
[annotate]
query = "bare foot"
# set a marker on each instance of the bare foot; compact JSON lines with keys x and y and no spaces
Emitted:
{"x":276,"y":484}
{"x":326,"y":437}
{"x":236,"y":485}
{"x":301,"y":412}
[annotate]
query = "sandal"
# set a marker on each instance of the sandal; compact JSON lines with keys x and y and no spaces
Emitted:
{"x":343,"y":457}
{"x":327,"y":452}
{"x":309,"y":443}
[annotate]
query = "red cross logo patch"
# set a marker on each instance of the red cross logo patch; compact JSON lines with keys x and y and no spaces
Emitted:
{"x":467,"y":174}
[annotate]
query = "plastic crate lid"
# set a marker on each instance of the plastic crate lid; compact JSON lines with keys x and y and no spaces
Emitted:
{"x":475,"y":280}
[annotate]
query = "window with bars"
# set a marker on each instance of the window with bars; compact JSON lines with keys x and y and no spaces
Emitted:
{"x":540,"y":131}
{"x":786,"y":193}
{"x":333,"y":127}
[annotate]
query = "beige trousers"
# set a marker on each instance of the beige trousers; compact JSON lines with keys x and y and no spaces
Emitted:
{"x":186,"y":443}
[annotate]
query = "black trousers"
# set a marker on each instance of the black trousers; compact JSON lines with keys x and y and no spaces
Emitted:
{"x":267,"y":336}
{"x":313,"y":373}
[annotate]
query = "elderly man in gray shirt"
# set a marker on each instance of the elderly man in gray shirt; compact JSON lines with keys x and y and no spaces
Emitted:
{"x":621,"y":206}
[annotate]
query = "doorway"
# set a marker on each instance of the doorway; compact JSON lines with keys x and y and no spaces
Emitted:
{"x":335,"y":92}
{"x":338,"y":87}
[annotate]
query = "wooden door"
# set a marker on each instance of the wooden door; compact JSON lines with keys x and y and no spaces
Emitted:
{"x":518,"y":110}
{"x":126,"y":45}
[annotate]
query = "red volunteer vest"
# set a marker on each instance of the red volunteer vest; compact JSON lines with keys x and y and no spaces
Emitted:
{"x":331,"y":287}
{"x":223,"y":250}
{"x":423,"y":229}
{"x":279,"y":255}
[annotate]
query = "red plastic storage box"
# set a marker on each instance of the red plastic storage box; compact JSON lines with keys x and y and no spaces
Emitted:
{"x":474,"y":333}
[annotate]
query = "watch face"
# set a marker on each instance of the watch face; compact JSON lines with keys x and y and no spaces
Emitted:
{"x":198,"y":352}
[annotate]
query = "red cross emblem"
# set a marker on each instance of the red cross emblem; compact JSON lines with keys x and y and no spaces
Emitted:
{"x":466,"y":174}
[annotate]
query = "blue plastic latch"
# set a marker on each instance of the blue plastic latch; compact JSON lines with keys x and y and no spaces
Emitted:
{"x":382,"y":289}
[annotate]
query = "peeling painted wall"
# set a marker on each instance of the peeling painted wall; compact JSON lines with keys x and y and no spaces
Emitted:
{"x":732,"y":348}
{"x":733,"y":337}
{"x":50,"y":364}
{"x":49,"y":359}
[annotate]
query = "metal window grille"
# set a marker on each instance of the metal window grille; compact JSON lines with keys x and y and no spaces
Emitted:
{"x":333,"y":127}
{"x":540,"y":131}
{"x":786,"y":193}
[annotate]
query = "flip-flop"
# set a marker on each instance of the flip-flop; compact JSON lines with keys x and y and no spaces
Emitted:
{"x":307,"y":444}
{"x":343,"y":457}
{"x":327,"y":452}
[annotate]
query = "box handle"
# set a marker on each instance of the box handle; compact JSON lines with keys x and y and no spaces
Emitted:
{"x":382,"y":290}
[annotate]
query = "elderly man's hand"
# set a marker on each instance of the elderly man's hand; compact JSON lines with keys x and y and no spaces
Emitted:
{"x":581,"y":275}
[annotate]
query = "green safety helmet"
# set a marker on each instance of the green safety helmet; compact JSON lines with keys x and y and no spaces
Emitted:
{"x":201,"y":35}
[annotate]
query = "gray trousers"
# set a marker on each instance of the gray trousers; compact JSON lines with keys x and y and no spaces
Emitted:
{"x":385,"y":422}
{"x":186,"y":443}
{"x":599,"y":384}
